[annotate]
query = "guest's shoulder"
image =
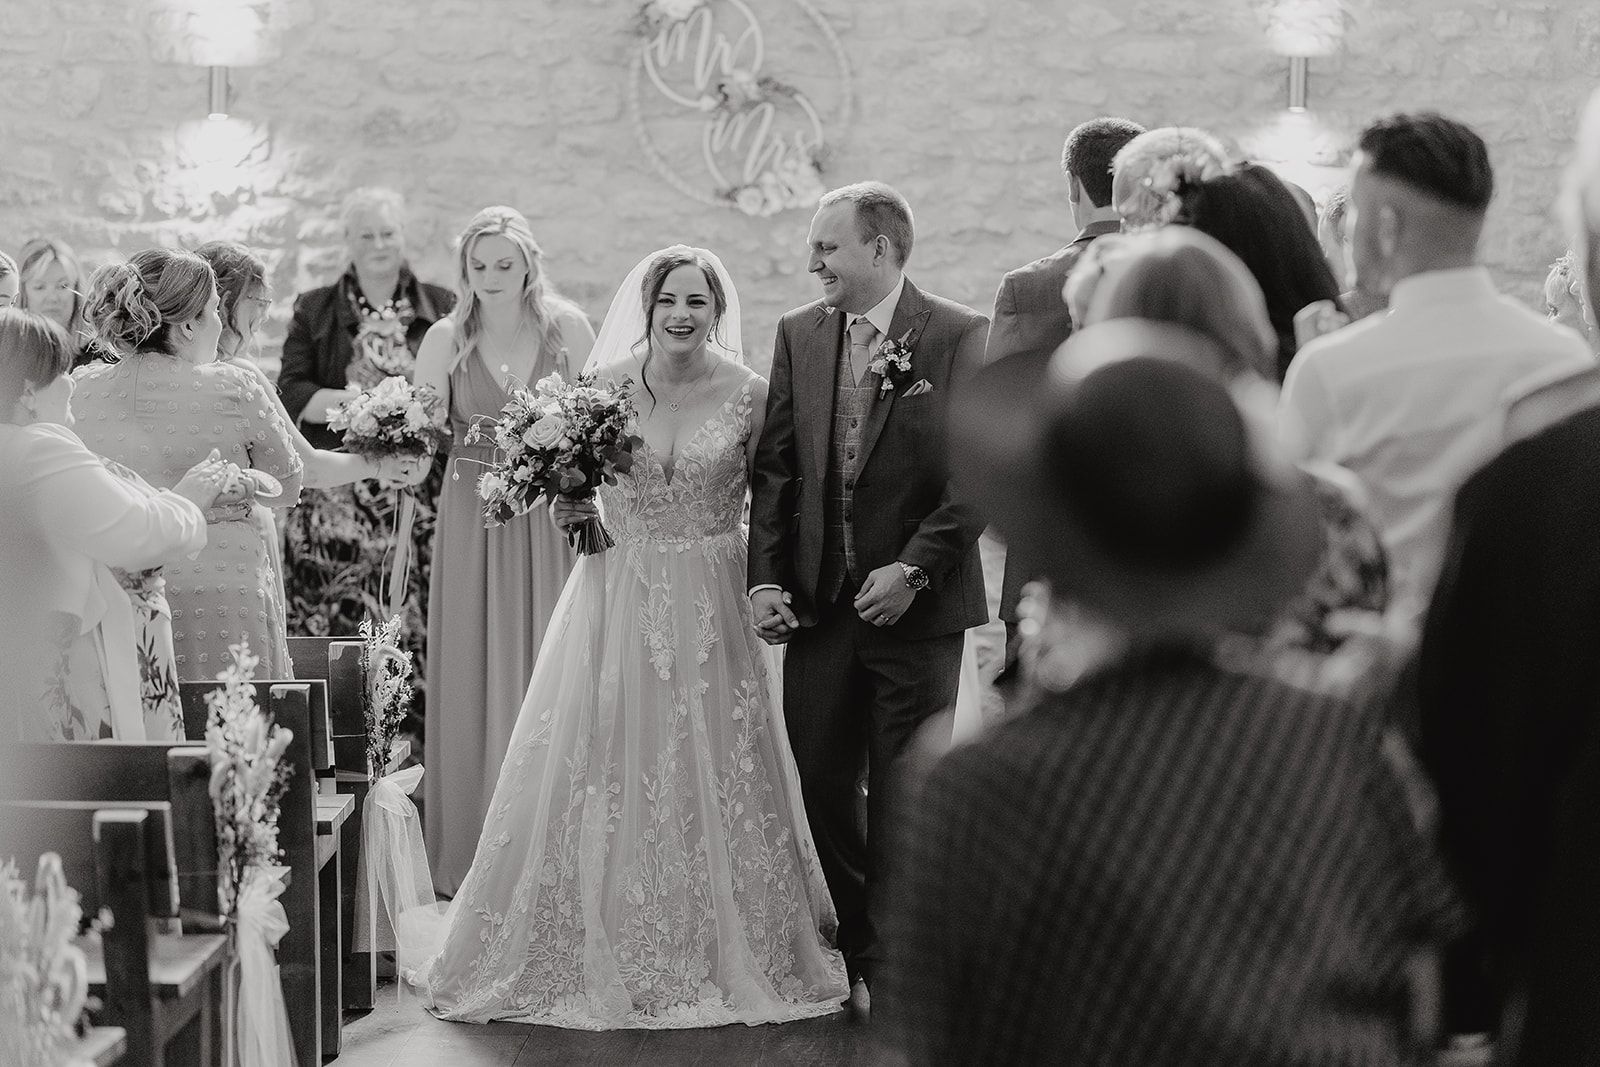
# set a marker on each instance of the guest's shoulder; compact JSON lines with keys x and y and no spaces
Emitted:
{"x":950,"y":310}
{"x":1364,"y":334}
{"x":40,"y":449}
{"x":316,"y":302}
{"x":442,"y":297}
{"x":1046,"y":271}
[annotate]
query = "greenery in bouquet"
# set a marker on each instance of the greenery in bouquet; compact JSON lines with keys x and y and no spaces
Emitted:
{"x":44,"y":978}
{"x":386,"y":696}
{"x":558,"y":439}
{"x":248,"y":776}
{"x":393,"y":418}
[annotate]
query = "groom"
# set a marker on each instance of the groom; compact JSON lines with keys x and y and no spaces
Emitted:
{"x":860,"y":560}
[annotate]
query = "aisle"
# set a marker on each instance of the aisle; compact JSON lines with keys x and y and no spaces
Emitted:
{"x":392,"y":1036}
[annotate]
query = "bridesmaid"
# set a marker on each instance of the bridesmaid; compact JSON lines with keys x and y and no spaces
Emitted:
{"x":158,"y":411}
{"x":492,"y":590}
{"x":343,"y":338}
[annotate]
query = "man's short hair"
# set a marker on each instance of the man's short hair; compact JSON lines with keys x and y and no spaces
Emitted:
{"x":1089,"y":150}
{"x":880,"y":209}
{"x":1439,"y":157}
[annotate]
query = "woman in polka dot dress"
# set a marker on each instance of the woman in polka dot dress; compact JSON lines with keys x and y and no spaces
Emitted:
{"x":160,"y":409}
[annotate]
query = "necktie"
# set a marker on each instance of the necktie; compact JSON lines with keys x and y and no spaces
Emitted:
{"x":861,"y":334}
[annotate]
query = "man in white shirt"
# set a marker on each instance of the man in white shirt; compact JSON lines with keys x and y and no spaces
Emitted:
{"x":1416,"y":400}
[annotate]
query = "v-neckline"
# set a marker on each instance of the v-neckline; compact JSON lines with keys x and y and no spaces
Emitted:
{"x":669,"y":474}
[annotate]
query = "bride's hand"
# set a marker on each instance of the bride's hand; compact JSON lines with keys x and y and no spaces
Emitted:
{"x":567,"y":513}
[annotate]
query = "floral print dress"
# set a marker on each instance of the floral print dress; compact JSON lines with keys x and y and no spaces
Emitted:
{"x":646,"y":860}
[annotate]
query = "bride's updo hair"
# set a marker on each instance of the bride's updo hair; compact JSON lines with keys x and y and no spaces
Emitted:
{"x":134,"y":305}
{"x":650,"y":291}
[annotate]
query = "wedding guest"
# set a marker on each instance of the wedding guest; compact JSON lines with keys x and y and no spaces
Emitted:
{"x":492,"y":590}
{"x":345,"y":337}
{"x":10,"y":281}
{"x":53,"y":286}
{"x":1140,"y":163}
{"x":1030,"y":315}
{"x":1565,"y":302}
{"x":71,"y":654}
{"x":1507,"y":696}
{"x":242,"y":303}
{"x":163,"y":405}
{"x":1334,"y":237}
{"x":1181,"y":276}
{"x":1253,"y":213}
{"x":1091,"y":876}
{"x":1414,"y":401}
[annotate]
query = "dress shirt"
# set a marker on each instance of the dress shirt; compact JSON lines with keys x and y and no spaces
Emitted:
{"x":1413,"y":402}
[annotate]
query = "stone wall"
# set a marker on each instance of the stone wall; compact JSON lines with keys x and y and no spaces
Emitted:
{"x":960,"y":103}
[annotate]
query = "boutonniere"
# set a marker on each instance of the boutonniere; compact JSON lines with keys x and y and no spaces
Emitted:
{"x":893,"y":362}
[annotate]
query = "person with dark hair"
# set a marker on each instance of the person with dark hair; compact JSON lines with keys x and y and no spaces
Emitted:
{"x":1254,"y":214}
{"x":1030,"y":316}
{"x":75,"y":664}
{"x":159,"y":409}
{"x":645,"y":860}
{"x":1174,"y":857}
{"x":1416,"y":400}
{"x":862,"y":561}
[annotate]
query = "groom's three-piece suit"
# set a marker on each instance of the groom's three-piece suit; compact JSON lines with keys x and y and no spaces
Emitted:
{"x":850,"y":477}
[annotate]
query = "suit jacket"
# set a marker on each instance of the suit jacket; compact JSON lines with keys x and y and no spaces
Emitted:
{"x":1030,"y":323}
{"x":317,"y":348}
{"x":1508,"y":692}
{"x":903,"y":506}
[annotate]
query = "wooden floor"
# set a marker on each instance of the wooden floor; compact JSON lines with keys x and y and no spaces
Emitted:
{"x":395,"y":1035}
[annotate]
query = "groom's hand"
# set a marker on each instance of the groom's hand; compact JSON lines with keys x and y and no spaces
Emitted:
{"x":884,"y":596}
{"x":775,"y":622}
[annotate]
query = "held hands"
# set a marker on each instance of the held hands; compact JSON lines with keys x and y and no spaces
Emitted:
{"x":775,"y":622}
{"x":884,"y":596}
{"x":567,"y":513}
{"x":209,"y":479}
{"x":402,"y":472}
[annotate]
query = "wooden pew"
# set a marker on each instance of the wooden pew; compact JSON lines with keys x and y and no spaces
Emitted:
{"x":300,"y":965}
{"x":163,"y":990}
{"x":176,"y":772}
{"x":337,"y":661}
{"x":101,"y":1046}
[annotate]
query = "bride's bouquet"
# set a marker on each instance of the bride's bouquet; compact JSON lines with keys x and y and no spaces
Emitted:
{"x":393,"y":418}
{"x":559,"y":439}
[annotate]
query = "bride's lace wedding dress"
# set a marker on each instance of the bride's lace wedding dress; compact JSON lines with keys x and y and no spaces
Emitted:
{"x":646,"y":861}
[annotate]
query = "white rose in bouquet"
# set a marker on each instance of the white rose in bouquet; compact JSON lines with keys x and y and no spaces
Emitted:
{"x":546,"y":432}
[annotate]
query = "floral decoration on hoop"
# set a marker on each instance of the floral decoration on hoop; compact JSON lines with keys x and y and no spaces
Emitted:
{"x":739,"y":102}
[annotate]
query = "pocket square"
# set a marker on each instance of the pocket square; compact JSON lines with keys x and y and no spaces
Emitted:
{"x":922,"y":386}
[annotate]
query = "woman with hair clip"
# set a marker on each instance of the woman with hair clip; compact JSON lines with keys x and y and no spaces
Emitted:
{"x":492,"y":590}
{"x":163,"y":405}
{"x":242,"y":302}
{"x":645,"y":861}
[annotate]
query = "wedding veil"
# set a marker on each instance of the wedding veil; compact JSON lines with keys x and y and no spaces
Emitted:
{"x":624,"y":327}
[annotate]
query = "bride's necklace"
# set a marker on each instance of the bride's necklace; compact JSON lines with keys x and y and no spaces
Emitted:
{"x":683,"y":397}
{"x":505,"y":365}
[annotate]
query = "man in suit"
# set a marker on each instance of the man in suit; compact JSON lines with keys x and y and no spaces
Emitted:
{"x":861,"y":561}
{"x":1030,"y":316}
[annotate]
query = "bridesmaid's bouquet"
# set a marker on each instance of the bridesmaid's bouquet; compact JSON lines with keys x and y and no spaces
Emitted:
{"x":393,"y":418}
{"x":559,"y":439}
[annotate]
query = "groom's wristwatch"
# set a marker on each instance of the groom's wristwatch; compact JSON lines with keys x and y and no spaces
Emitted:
{"x":916,"y":577}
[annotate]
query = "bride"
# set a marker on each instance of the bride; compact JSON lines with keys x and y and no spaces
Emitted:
{"x":646,"y":860}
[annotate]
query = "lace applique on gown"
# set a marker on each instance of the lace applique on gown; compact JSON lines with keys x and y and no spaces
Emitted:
{"x":646,"y":862}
